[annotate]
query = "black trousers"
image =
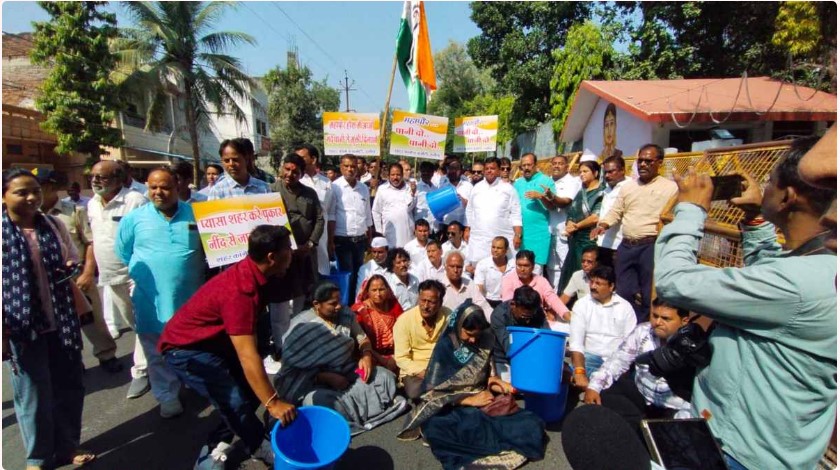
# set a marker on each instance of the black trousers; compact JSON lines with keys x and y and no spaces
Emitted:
{"x":624,"y":398}
{"x":634,"y":275}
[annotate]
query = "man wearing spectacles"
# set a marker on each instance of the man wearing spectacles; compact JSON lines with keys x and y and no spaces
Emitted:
{"x":637,"y":209}
{"x":110,"y":203}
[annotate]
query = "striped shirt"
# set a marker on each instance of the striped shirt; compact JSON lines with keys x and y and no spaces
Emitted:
{"x":655,"y":389}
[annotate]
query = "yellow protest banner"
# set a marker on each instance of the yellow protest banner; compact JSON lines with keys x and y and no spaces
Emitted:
{"x":418,"y":135}
{"x":356,"y":133}
{"x":475,"y":134}
{"x":224,"y":224}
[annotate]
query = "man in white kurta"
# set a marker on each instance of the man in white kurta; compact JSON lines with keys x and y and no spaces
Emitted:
{"x":565,"y":189}
{"x":393,"y":208}
{"x":376,"y":265}
{"x":425,"y":185}
{"x":324,"y":188}
{"x":493,"y":210}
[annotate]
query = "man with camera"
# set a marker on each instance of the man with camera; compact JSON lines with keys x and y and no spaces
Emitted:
{"x":655,"y":348}
{"x":770,"y":392}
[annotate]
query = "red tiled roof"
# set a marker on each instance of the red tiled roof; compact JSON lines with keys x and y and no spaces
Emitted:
{"x":754,"y":99}
{"x":21,"y":79}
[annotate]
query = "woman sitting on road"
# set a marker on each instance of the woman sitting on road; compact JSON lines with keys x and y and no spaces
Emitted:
{"x":460,"y":382}
{"x":328,"y":361}
{"x":377,"y":309}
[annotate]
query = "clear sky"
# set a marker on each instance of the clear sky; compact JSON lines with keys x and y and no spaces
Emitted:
{"x":357,"y":36}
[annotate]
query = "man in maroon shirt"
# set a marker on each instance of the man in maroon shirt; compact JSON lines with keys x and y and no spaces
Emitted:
{"x":211,"y":344}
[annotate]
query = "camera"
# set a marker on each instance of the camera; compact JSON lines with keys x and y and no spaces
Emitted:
{"x":688,"y":347}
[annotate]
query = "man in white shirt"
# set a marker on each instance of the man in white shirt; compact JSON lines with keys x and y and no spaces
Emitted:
{"x":326,"y":195}
{"x":432,"y":266}
{"x":490,"y":270}
{"x":455,"y":238}
{"x":416,"y":248}
{"x":609,"y":241}
{"x":460,"y":288}
{"x":353,"y":220}
{"x":600,"y":321}
{"x":110,"y":203}
{"x":402,"y":282}
{"x":379,"y":250}
{"x":393,"y":208}
{"x":424,"y":186}
{"x":463,"y":186}
{"x":362,"y":171}
{"x":565,"y":189}
{"x":578,"y":285}
{"x":493,"y":210}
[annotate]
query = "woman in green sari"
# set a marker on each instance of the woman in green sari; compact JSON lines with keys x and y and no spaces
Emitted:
{"x":582,"y":216}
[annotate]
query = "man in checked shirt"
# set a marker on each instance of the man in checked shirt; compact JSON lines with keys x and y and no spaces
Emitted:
{"x":650,"y":396}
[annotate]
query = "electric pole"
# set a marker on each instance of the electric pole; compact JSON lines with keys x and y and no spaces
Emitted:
{"x":346,"y":87}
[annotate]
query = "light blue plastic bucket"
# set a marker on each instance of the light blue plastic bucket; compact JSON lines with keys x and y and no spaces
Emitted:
{"x":443,"y":201}
{"x":536,"y":359}
{"x":317,"y":438}
{"x":342,"y":280}
{"x":550,"y":408}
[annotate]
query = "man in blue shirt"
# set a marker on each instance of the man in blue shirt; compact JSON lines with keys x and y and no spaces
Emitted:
{"x":237,"y":155}
{"x":770,"y":392}
{"x":161,"y":246}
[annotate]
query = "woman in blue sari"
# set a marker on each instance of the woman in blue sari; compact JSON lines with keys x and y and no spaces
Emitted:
{"x":582,"y":217}
{"x":459,"y":382}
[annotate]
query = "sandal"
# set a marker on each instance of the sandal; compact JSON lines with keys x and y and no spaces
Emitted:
{"x":79,"y":458}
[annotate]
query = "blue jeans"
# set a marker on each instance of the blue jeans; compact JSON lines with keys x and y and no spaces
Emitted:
{"x":223,"y":383}
{"x":49,"y":395}
{"x":592,"y":363}
{"x":350,"y":256}
{"x":732,"y":463}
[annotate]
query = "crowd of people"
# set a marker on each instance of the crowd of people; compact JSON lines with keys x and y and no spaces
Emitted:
{"x":431,"y":299}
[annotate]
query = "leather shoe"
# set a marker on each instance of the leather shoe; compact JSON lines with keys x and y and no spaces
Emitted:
{"x":112,"y":366}
{"x":138,"y":387}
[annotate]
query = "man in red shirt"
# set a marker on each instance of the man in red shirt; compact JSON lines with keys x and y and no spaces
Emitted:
{"x":211,"y":344}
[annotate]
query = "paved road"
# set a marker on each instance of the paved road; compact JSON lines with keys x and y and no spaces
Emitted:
{"x":130,"y":434}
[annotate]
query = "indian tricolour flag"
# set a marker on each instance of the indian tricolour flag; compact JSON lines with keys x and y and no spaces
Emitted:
{"x":414,"y":55}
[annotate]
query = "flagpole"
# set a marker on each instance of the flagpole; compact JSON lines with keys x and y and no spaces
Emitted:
{"x":385,"y":113}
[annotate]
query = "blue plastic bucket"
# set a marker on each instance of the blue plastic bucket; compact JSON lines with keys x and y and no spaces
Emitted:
{"x":443,"y":201}
{"x":536,"y":359}
{"x":317,"y":438}
{"x":342,"y":280}
{"x":550,"y":408}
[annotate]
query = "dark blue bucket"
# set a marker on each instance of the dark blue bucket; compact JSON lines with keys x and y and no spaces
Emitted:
{"x":317,"y":438}
{"x":342,"y":280}
{"x":551,"y":408}
{"x":536,"y":359}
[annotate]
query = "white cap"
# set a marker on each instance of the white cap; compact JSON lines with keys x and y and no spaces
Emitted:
{"x":379,"y":242}
{"x":588,"y":155}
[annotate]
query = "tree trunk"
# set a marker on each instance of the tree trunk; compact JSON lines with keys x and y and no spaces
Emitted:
{"x":192,"y":127}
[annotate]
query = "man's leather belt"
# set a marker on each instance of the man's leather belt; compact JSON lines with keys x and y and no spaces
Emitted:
{"x":360,"y":238}
{"x":639,"y":241}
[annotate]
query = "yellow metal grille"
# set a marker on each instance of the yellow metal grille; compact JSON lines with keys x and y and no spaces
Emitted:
{"x":721,"y":244}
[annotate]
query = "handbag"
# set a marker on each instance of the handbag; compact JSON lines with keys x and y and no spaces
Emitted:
{"x":502,"y":405}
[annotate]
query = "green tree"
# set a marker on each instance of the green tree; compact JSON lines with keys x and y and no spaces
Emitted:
{"x":78,"y":98}
{"x":515,"y":45}
{"x":296,"y":104}
{"x":808,"y":32}
{"x":587,"y":55}
{"x":459,"y":81}
{"x":174,"y":49}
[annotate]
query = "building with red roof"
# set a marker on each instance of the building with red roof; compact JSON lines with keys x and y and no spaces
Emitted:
{"x":693,"y":114}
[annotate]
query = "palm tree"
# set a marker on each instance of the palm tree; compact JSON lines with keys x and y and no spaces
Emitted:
{"x":173,"y":50}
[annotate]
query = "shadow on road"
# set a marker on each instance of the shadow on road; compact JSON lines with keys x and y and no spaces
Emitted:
{"x":366,"y":457}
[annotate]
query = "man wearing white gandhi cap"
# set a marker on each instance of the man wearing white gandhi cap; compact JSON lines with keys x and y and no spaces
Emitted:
{"x":379,"y":250}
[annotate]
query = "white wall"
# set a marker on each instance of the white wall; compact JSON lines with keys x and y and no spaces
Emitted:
{"x":221,"y":127}
{"x":631,"y":131}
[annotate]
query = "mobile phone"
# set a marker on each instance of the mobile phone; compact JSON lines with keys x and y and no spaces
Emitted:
{"x":682,"y":444}
{"x":726,"y":187}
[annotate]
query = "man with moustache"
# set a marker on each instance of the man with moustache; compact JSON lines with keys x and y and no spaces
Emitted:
{"x":110,"y":203}
{"x":609,"y":241}
{"x":322,"y":185}
{"x":393,"y":208}
{"x":524,"y":309}
{"x":558,"y":197}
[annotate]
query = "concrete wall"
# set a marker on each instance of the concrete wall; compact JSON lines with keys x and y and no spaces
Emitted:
{"x":631,"y":132}
{"x":539,"y":141}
